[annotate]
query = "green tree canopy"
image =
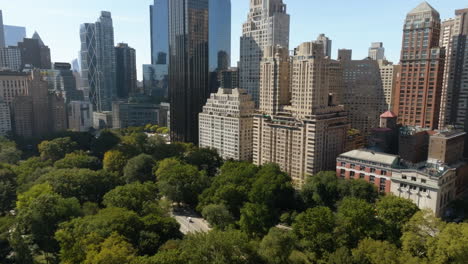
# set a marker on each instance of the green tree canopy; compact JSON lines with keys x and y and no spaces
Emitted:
{"x":79,"y":160}
{"x":180,"y":182}
{"x":451,"y":245}
{"x":9,"y":153}
{"x":7,"y":189}
{"x":358,"y":189}
{"x":132,"y":196}
{"x":25,"y":172}
{"x":256,"y":219}
{"x":84,"y":184}
{"x":321,"y":189}
{"x":394,"y":213}
{"x":376,"y":252}
{"x":114,"y":250}
{"x":56,"y":149}
{"x":139,"y":168}
{"x":277,"y":246}
{"x":115,"y":161}
{"x":218,"y":216}
{"x":106,"y":141}
{"x":205,"y":159}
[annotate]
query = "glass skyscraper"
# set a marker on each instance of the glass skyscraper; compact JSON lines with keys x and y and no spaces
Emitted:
{"x":188,"y":66}
{"x":98,"y":62}
{"x":159,"y":16}
{"x":14,"y":35}
{"x":2,"y":34}
{"x":220,"y":34}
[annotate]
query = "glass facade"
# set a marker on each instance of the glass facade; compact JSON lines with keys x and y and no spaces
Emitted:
{"x":14,"y":35}
{"x":155,"y":81}
{"x":159,"y":15}
{"x":98,"y":62}
{"x":188,"y":66}
{"x":220,"y":34}
{"x":2,"y":34}
{"x":126,"y":70}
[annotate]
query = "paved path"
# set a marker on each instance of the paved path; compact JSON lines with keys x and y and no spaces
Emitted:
{"x":197,"y":225}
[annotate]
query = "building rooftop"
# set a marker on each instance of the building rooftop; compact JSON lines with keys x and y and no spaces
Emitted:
{"x":368,"y":155}
{"x":388,"y":114}
{"x":423,"y":7}
{"x":38,"y":38}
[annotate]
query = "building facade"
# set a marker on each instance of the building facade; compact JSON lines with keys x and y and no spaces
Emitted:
{"x":220,"y":35}
{"x":226,"y":124}
{"x":126,"y":70}
{"x":14,"y":35}
{"x":62,"y":81}
{"x":2,"y":34}
{"x":327,"y":44}
{"x":5,"y":119}
{"x":155,"y":81}
{"x":102,"y":120}
{"x":377,"y":51}
{"x":13,"y":84}
{"x":80,"y":116}
{"x":188,"y":71}
{"x":35,"y":53}
{"x":98,"y":66}
{"x":267,"y":25}
{"x":388,"y":75}
{"x":419,"y":88}
{"x":306,"y":135}
{"x":10,"y":59}
{"x":134,"y":114}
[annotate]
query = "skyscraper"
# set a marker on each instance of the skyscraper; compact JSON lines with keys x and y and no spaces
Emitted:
{"x":220,"y":34}
{"x":267,"y":25}
{"x":35,"y":53}
{"x":419,"y":88}
{"x":10,"y":58}
{"x":2,"y":34}
{"x":308,"y":133}
{"x":159,"y":23}
{"x":327,"y":44}
{"x":126,"y":70}
{"x":188,"y":66}
{"x":377,"y":51}
{"x":14,"y":35}
{"x":62,"y":81}
{"x":98,"y":61}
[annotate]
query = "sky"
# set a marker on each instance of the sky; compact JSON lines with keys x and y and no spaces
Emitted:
{"x":351,"y":24}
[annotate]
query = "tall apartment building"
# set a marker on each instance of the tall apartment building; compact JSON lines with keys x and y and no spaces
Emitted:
{"x":188,"y":71}
{"x":2,"y":34}
{"x":455,"y":92}
{"x":377,"y":51}
{"x":10,"y":59}
{"x":267,"y":25}
{"x":327,"y":44}
{"x":126,"y":70}
{"x":13,"y":35}
{"x":58,"y":113}
{"x":345,"y":54}
{"x":388,"y":75}
{"x":229,"y":78}
{"x":364,"y":94}
{"x":5,"y":119}
{"x":35,"y":53}
{"x":98,"y":66}
{"x":419,"y":88}
{"x":226,"y":124}
{"x":306,"y":135}
{"x":80,"y":116}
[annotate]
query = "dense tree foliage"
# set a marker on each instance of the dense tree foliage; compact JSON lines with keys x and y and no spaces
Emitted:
{"x":108,"y":198}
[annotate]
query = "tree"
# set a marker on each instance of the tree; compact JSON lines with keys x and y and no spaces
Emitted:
{"x":321,"y":189}
{"x":256,"y":219}
{"x":218,"y":247}
{"x":106,"y":141}
{"x":84,"y":184}
{"x":341,"y":256}
{"x":114,"y":250}
{"x":157,"y":231}
{"x":132,"y":196}
{"x":218,"y":216}
{"x":79,"y":160}
{"x":160,"y":150}
{"x":314,"y":228}
{"x":9,"y":152}
{"x":277,"y":246}
{"x":394,"y":213}
{"x":419,"y":232}
{"x":355,"y":221}
{"x":26,"y":198}
{"x":230,"y":187}
{"x":56,"y":149}
{"x":6,"y":223}
{"x":25,"y":172}
{"x":134,"y":143}
{"x":180,"y":182}
{"x":78,"y":235}
{"x":451,"y":245}
{"x":139,"y":168}
{"x":7,"y":189}
{"x":376,"y":252}
{"x":115,"y":161}
{"x":205,"y":159}
{"x":41,"y":218}
{"x":359,"y":189}
{"x":273,"y":188}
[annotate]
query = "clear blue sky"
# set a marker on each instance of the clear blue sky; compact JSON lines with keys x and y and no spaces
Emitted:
{"x":350,"y":24}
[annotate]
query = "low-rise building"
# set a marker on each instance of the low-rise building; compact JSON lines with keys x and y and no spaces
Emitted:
{"x":102,"y":120}
{"x":134,"y":114}
{"x":80,"y":116}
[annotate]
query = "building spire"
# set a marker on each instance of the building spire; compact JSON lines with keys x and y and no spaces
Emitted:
{"x":36,"y":36}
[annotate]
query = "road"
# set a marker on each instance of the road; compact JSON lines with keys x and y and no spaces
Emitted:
{"x":197,"y":225}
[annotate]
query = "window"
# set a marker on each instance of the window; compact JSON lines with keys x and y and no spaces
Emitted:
{"x":363,"y":168}
{"x":383,"y":185}
{"x":423,"y":181}
{"x":372,"y":179}
{"x":403,"y":185}
{"x":372,"y":170}
{"x":413,"y":179}
{"x":343,"y":164}
{"x":351,"y":174}
{"x":353,"y":166}
{"x":342,"y":173}
{"x":362,"y":176}
{"x":404,"y":177}
{"x":383,"y":172}
{"x":421,"y":189}
{"x":413,"y":188}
